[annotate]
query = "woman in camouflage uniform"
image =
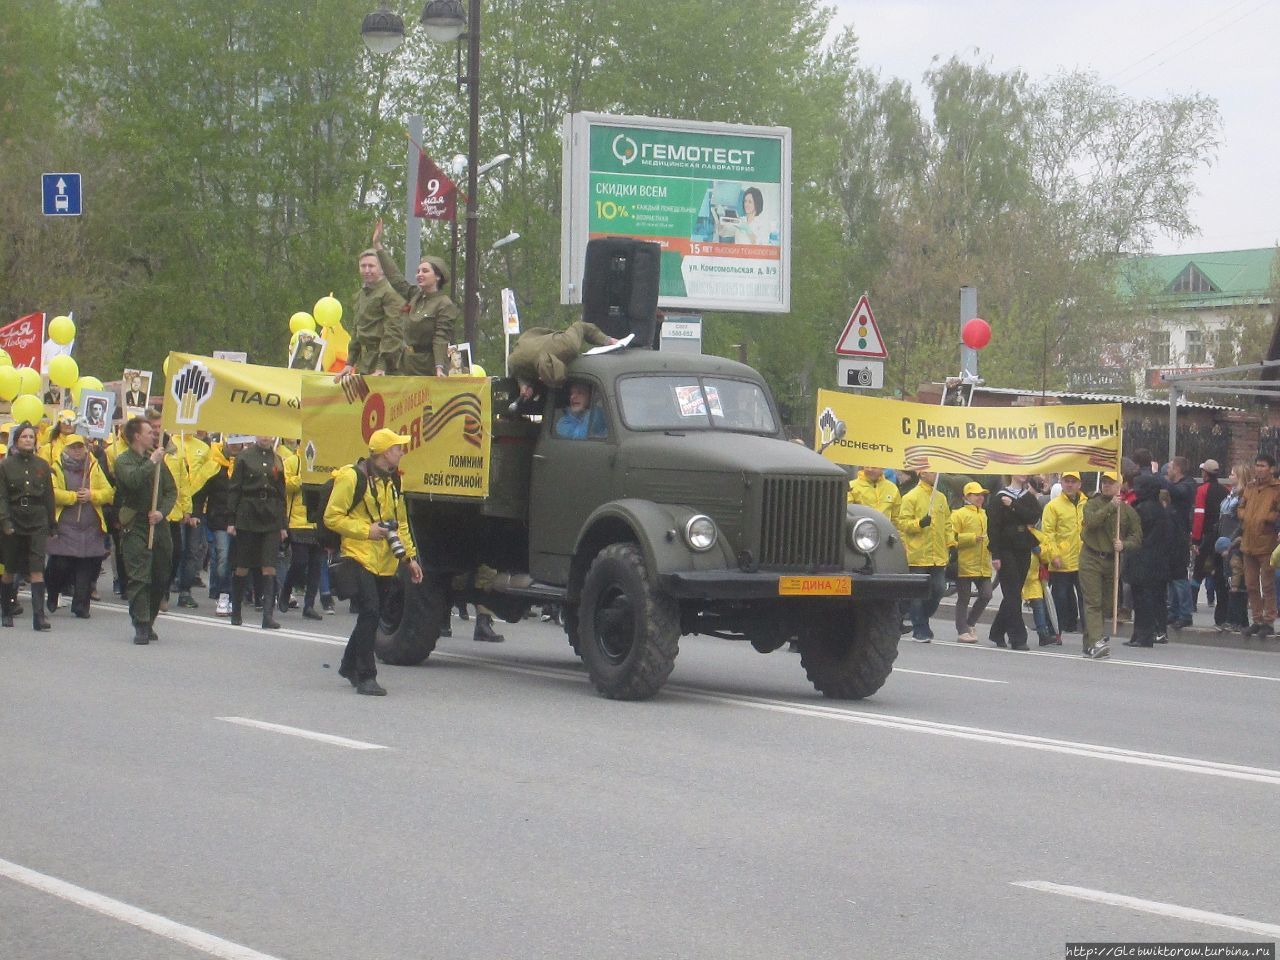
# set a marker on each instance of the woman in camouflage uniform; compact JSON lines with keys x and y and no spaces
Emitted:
{"x":429,"y":313}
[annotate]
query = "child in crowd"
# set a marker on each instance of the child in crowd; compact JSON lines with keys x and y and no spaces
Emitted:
{"x":1033,"y":593}
{"x":973,"y":560}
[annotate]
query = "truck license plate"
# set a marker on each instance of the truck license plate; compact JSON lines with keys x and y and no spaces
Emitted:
{"x":815,"y":586}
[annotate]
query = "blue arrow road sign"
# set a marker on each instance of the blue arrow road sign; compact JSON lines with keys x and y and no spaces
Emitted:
{"x":61,"y":194}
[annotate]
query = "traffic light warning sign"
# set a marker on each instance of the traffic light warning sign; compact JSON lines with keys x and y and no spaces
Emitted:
{"x":861,"y":337}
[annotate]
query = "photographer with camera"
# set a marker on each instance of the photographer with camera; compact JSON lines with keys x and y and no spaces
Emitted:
{"x":375,"y":537}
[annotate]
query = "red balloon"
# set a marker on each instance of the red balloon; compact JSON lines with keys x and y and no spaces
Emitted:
{"x":976,"y":333}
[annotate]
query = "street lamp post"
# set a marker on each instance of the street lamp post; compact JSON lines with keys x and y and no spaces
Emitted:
{"x":445,"y":21}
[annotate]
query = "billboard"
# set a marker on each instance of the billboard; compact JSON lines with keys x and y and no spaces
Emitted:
{"x":716,"y":196}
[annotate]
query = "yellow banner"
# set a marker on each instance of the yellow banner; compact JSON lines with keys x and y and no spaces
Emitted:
{"x":223,"y":396}
{"x":446,"y":419}
{"x":975,"y":440}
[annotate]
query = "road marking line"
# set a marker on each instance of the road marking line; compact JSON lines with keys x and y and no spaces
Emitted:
{"x":1172,"y":910}
{"x":977,"y":734}
{"x":949,"y":676}
{"x":142,"y":919}
{"x":305,"y":734}
{"x":1118,"y":661}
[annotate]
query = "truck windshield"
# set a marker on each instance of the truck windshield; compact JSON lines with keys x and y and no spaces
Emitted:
{"x":694,"y":403}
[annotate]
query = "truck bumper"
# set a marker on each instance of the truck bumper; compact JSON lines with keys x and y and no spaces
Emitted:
{"x":737,"y":585}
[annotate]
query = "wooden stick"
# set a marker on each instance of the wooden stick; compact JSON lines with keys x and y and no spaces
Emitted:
{"x":1115,"y":582}
{"x":155,"y":500}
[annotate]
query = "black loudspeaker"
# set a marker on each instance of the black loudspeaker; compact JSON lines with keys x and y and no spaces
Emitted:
{"x":620,"y":288}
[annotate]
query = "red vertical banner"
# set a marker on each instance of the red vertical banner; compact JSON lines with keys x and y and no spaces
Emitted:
{"x":437,"y":196}
{"x":23,"y":340}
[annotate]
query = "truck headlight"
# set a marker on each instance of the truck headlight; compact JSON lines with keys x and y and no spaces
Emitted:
{"x":864,"y":535}
{"x":700,"y":533}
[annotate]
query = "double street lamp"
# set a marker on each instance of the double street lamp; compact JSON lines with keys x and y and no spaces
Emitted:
{"x":445,"y":21}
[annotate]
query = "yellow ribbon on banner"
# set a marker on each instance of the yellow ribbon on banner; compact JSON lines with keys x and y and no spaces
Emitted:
{"x":223,"y":396}
{"x":447,"y":420}
{"x":969,"y":440}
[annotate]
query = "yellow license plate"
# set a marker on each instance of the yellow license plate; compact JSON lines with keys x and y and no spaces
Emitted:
{"x":815,"y":586}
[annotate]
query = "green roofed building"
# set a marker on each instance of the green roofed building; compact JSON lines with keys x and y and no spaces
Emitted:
{"x":1204,"y":310}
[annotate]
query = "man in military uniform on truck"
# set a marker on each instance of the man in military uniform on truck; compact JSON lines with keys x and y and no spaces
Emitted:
{"x":147,"y":565}
{"x":257,"y":501}
{"x":377,"y":335}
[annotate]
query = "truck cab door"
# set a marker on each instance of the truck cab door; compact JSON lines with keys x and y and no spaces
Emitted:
{"x":571,"y":478}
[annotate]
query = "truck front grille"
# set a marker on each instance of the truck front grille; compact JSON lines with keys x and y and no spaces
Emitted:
{"x":801,"y":522}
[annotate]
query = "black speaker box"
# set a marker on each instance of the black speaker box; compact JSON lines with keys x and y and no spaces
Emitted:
{"x":620,"y":288}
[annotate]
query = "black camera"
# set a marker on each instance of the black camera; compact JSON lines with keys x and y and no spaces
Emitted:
{"x":393,"y":538}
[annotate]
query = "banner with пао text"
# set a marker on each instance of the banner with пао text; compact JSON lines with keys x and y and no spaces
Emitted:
{"x":223,"y":396}
{"x":446,"y":419}
{"x":974,"y":440}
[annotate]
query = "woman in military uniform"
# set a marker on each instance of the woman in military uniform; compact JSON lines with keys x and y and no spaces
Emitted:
{"x":26,"y":517}
{"x":257,"y":504}
{"x":430,"y":314}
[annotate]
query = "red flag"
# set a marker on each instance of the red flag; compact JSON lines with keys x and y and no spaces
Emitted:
{"x":437,"y":197}
{"x":24,"y":340}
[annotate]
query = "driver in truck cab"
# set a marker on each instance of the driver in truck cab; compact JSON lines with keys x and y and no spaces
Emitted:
{"x":580,"y":420}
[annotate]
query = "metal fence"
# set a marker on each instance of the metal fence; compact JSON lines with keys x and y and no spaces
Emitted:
{"x":1196,"y":443}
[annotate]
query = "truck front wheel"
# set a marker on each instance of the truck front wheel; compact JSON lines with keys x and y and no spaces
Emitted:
{"x":847,"y":661}
{"x":628,"y":633}
{"x":410,"y":626}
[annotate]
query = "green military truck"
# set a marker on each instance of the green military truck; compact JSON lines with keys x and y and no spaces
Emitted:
{"x":683,"y":511}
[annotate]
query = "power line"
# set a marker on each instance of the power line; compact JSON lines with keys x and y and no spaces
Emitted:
{"x":1190,"y":33}
{"x":1190,"y":47}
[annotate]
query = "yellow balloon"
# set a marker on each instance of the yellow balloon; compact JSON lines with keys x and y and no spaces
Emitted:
{"x":62,"y":330}
{"x":166,"y":367}
{"x":302,"y":321}
{"x":27,"y":408}
{"x":477,"y":371}
{"x":5,"y":359}
{"x":29,"y":380}
{"x":327,"y":311}
{"x":63,"y":370}
{"x":84,"y":383}
{"x":337,"y":343}
{"x":10,"y":383}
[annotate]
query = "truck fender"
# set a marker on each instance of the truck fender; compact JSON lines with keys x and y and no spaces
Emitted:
{"x":656,"y":528}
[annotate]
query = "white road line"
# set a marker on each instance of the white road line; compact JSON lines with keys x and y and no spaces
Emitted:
{"x":305,"y":734}
{"x":949,"y":676}
{"x":1269,"y":930}
{"x":1025,"y":741}
{"x":1118,"y":661}
{"x":150,"y":922}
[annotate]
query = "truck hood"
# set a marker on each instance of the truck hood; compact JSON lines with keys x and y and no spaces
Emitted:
{"x":722,"y":452}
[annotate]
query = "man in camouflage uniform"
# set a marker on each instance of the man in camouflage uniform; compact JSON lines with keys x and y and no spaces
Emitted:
{"x":147,"y":568}
{"x":256,"y":502}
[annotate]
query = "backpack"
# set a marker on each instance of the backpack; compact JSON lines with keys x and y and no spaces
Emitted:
{"x":316,"y":506}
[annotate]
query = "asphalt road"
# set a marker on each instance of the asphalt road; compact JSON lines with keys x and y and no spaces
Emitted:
{"x":511,"y":812}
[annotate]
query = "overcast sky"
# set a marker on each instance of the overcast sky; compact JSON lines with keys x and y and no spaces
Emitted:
{"x":1227,"y":50}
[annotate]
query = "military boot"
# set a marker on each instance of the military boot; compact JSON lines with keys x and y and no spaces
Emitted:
{"x":38,"y":619}
{"x":484,"y":629}
{"x":237,"y":598}
{"x":6,"y":604}
{"x":269,"y":604}
{"x":141,"y":634}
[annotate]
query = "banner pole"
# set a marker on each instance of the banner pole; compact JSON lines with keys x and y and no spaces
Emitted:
{"x":155,"y":499}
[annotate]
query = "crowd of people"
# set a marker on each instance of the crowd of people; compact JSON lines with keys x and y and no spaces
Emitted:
{"x":1054,"y":549}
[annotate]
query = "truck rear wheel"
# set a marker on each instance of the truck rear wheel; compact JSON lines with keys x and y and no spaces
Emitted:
{"x":628,"y":633}
{"x":411,"y":621}
{"x":849,"y":664}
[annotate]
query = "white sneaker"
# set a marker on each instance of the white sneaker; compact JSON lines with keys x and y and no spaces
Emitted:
{"x":224,"y":606}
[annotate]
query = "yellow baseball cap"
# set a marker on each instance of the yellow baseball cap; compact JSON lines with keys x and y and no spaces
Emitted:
{"x":973,"y":487}
{"x":72,"y":440}
{"x":1109,"y":475}
{"x":1072,"y":474}
{"x":384,"y":439}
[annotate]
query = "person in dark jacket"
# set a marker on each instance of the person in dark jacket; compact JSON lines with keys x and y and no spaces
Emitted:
{"x":257,"y":505}
{"x":1011,"y":514}
{"x":1205,"y":513}
{"x":1147,"y":569}
{"x":26,"y":519}
{"x":1182,"y":496}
